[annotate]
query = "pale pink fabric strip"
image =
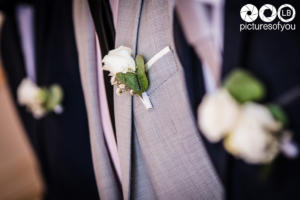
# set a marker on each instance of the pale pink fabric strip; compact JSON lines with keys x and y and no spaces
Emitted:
{"x":105,"y":116}
{"x":25,"y":19}
{"x":114,"y":4}
{"x":204,"y":31}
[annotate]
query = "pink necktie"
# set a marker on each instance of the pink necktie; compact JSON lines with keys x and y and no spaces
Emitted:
{"x":25,"y":18}
{"x":105,"y":116}
{"x":201,"y":33}
{"x":114,"y":4}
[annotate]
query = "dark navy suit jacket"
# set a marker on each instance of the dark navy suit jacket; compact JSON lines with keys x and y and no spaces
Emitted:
{"x":273,"y":57}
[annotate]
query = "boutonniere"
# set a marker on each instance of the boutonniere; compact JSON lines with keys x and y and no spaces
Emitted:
{"x":128,"y":74}
{"x":251,"y":131}
{"x":40,"y":100}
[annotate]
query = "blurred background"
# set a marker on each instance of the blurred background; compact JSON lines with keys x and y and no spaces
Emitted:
{"x":19,"y":172}
{"x":47,"y":157}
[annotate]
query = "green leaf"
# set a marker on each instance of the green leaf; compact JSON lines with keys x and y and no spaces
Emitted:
{"x":130,"y":80}
{"x":244,"y":87}
{"x":43,"y":95}
{"x":54,"y":97}
{"x":139,"y":61}
{"x":278,"y":114}
{"x":141,"y":73}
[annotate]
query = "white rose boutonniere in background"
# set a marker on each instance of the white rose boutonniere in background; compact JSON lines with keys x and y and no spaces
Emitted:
{"x":218,"y":113}
{"x":39,"y":101}
{"x":251,"y":131}
{"x":127,"y":74}
{"x":29,"y":95}
{"x":254,"y":136}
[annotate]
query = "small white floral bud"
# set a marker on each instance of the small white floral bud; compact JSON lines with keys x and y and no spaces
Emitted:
{"x":37,"y":110}
{"x":122,"y":86}
{"x":131,"y":92}
{"x":119,"y":91}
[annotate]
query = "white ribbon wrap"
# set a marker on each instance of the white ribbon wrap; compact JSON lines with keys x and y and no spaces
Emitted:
{"x":145,"y":98}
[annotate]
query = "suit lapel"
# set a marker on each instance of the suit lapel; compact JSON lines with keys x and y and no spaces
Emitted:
{"x":107,"y":182}
{"x":104,"y":26}
{"x":127,"y":35}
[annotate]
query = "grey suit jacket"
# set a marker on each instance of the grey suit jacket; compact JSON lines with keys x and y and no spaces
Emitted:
{"x":161,"y":152}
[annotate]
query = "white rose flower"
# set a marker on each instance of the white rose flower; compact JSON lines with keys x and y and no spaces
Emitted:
{"x":252,"y":138}
{"x":119,"y":60}
{"x":217,"y":115}
{"x":27,"y":93}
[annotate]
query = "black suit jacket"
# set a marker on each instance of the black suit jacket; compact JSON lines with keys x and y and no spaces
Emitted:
{"x":273,"y":57}
{"x":61,"y":142}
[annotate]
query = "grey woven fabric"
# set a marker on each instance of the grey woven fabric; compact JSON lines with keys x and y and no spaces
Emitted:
{"x":162,"y":154}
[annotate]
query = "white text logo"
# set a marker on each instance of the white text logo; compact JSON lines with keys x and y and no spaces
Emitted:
{"x":286,"y":13}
